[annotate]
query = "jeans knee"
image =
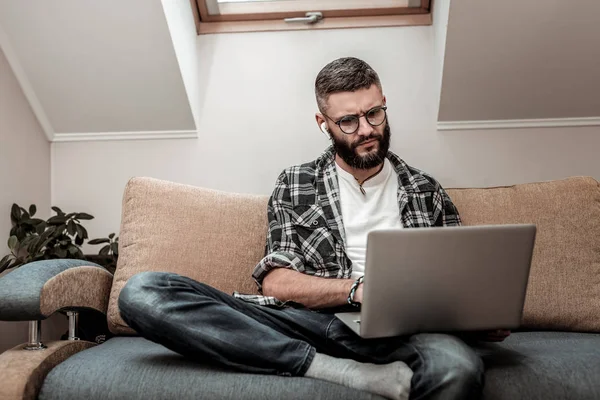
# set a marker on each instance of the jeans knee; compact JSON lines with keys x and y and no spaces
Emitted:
{"x":449,"y":360}
{"x":466,"y":371}
{"x":138,"y":292}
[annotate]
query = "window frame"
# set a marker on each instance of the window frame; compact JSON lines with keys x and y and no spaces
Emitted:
{"x":361,"y":15}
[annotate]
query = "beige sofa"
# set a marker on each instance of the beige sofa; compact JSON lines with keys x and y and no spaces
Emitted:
{"x":218,"y":237}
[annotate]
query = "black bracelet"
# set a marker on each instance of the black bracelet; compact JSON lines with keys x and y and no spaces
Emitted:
{"x":353,"y":291}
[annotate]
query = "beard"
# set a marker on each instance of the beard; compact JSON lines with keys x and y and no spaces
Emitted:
{"x":347,"y":151}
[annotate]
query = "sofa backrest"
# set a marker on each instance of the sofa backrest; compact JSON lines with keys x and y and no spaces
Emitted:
{"x":218,"y":237}
{"x":207,"y":235}
{"x":564,"y":284}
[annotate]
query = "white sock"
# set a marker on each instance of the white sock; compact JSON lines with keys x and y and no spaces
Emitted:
{"x":389,"y":380}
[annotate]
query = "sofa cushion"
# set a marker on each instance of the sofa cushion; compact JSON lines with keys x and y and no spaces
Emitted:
{"x":564,"y":285}
{"x":527,"y":366}
{"x":134,"y":368}
{"x":543,"y":365}
{"x":211,"y":236}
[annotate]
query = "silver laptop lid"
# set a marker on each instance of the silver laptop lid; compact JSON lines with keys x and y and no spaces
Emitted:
{"x":445,"y":279}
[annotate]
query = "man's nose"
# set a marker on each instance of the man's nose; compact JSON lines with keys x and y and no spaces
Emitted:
{"x":364,"y":128}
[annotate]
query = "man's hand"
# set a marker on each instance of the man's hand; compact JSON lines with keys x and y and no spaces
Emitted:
{"x":495,"y":336}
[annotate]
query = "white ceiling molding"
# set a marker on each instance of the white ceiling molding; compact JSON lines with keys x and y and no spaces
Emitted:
{"x":517,"y":123}
{"x":133,"y":135}
{"x":30,"y":95}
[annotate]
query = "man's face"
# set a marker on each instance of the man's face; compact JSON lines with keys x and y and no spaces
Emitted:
{"x":368,"y":146}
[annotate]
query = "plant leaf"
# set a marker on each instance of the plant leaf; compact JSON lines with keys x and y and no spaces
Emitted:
{"x":4,"y":266}
{"x":27,"y":241}
{"x":12,"y":242}
{"x":57,"y":220}
{"x":84,"y":216}
{"x":62,"y":253}
{"x":85,"y":232}
{"x":78,"y":240}
{"x":32,"y":245}
{"x":40,"y":246}
{"x":112,"y":235}
{"x":20,"y":232}
{"x":32,"y":209}
{"x":115,"y":248}
{"x":45,"y":238}
{"x":60,"y":230}
{"x":104,"y":251}
{"x":47,"y":233}
{"x":99,"y":241}
{"x":40,"y":228}
{"x":71,"y":228}
{"x":79,"y":254}
{"x":5,"y":262}
{"x":58,"y":211}
{"x":15,"y":213}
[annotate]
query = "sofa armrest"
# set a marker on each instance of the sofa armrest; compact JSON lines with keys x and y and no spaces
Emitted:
{"x":24,"y":371}
{"x":38,"y":289}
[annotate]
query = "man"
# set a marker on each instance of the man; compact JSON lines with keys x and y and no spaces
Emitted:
{"x":319,"y":217}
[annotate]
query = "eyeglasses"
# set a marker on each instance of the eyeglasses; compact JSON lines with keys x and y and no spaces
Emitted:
{"x":350,"y":123}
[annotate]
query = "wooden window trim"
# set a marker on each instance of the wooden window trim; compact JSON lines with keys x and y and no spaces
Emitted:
{"x":337,"y":19}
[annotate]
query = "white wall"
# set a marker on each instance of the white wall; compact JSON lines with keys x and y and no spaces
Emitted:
{"x":256,"y":116}
{"x":24,"y":175}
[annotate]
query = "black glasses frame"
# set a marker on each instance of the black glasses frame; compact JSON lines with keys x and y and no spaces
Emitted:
{"x":357,"y":117}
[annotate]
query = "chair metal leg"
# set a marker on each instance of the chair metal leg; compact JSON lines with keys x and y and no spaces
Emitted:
{"x":73,"y":323}
{"x":35,"y":336}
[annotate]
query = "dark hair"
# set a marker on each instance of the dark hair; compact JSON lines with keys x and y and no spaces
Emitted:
{"x":346,"y":74}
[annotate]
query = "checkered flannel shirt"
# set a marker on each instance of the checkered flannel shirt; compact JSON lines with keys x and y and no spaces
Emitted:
{"x":306,"y":231}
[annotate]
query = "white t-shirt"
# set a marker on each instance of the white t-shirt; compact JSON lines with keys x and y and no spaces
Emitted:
{"x":361,"y":213}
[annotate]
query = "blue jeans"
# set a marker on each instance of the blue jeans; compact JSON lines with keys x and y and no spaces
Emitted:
{"x":203,"y":323}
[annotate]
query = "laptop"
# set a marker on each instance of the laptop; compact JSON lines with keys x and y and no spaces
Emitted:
{"x":443,"y":280}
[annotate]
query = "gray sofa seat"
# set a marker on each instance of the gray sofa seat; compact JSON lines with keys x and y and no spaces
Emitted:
{"x":543,"y":365}
{"x":528,"y":365}
{"x":135,"y":368}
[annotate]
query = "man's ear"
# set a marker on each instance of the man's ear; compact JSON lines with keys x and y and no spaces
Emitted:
{"x":320,"y":119}
{"x":321,"y":122}
{"x":384,"y":100}
{"x":322,"y":125}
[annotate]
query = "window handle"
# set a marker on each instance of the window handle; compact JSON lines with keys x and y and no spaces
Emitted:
{"x":311,"y":18}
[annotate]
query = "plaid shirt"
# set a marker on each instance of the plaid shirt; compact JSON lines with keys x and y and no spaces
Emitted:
{"x":306,"y":231}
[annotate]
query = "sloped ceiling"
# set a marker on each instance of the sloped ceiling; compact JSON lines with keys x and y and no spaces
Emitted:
{"x":521,"y":59}
{"x":96,"y":66}
{"x":93,"y":70}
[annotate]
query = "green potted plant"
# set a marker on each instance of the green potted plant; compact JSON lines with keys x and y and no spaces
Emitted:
{"x":61,"y":236}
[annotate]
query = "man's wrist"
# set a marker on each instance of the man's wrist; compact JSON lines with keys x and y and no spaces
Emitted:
{"x":353,"y":290}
